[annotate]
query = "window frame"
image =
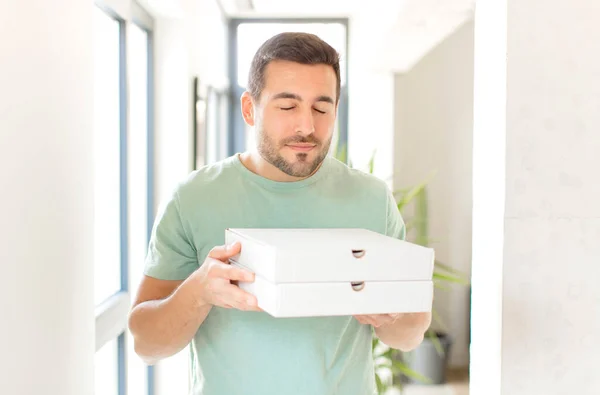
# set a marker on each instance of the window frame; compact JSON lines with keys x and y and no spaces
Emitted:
{"x":111,"y":315}
{"x":236,"y":138}
{"x":145,"y":22}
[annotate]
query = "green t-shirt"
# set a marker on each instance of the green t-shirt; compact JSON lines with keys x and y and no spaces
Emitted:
{"x":251,"y":353}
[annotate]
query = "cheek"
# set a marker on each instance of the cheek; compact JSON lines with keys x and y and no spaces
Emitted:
{"x":324,"y":124}
{"x":276,"y":124}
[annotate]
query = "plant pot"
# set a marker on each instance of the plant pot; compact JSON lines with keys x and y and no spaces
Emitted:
{"x":427,"y":361}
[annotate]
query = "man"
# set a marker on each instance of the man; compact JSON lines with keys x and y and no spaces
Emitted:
{"x":188,"y":293}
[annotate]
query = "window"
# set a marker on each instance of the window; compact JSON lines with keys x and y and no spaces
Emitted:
{"x":210,"y":124}
{"x":248,"y":35}
{"x":123,"y":149}
{"x":110,"y":246}
{"x":138,"y":41}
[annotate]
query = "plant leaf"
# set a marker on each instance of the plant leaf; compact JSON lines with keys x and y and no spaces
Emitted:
{"x":410,"y":195}
{"x":451,"y":270}
{"x":380,"y":388}
{"x":400,"y":192}
{"x":436,"y":342}
{"x":438,"y":319}
{"x":372,"y":162}
{"x":408,"y":372}
{"x":449,"y":278}
{"x":422,"y":216}
{"x":438,"y":285}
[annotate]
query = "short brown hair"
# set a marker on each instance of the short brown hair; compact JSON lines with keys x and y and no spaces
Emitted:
{"x":301,"y":48}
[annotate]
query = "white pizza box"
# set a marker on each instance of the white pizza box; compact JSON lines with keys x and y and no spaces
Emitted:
{"x":340,"y":298}
{"x":330,"y":272}
{"x":330,"y":255}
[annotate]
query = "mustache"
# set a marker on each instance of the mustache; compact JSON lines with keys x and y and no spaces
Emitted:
{"x":310,"y":139}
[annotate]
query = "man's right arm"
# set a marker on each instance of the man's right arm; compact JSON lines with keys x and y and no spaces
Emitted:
{"x":166,"y":314}
{"x":164,"y":318}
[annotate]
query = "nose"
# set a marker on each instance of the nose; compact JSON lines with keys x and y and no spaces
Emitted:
{"x":305,"y":123}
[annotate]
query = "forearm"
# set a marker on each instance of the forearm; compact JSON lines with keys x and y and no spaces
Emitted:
{"x":162,"y":328}
{"x":406,"y":333}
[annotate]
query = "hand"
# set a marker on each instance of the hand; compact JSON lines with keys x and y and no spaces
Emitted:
{"x":378,"y":320}
{"x":216,"y":277}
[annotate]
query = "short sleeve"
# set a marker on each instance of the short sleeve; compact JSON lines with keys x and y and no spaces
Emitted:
{"x":171,"y":254}
{"x":395,"y":226}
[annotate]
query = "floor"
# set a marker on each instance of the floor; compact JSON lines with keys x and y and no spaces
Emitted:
{"x":458,"y":384}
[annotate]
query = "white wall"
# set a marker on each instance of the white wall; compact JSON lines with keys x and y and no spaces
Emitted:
{"x":433,"y":134}
{"x":489,"y":138}
{"x":551,"y":298}
{"x":371,"y":98}
{"x":550,"y":316}
{"x":46,"y":238}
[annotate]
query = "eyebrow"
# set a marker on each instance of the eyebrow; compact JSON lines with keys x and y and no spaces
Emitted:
{"x":289,"y":95}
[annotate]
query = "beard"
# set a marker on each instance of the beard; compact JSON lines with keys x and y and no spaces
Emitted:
{"x":301,"y":166}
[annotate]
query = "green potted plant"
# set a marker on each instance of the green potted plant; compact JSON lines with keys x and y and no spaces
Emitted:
{"x":426,"y":364}
{"x":431,"y":357}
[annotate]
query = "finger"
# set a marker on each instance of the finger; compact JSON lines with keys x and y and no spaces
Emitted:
{"x":233,"y":273}
{"x":377,"y":320}
{"x":223,"y":253}
{"x":238,"y":298}
{"x":383,"y":319}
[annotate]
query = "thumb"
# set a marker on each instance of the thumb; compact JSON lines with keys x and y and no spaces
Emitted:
{"x":225,"y":252}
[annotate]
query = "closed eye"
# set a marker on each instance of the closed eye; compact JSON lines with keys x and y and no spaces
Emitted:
{"x":286,"y":108}
{"x":320,"y":112}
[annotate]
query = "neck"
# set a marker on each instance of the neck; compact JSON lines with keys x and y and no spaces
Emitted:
{"x":254,"y":162}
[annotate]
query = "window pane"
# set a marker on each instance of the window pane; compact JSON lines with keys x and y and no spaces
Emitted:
{"x":137,"y":152}
{"x":106,"y":363}
{"x":251,"y":36}
{"x":107,"y":259}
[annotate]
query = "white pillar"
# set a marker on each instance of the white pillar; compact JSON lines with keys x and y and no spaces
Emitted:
{"x":46,"y":180}
{"x":536,"y":280}
{"x":489,"y":136}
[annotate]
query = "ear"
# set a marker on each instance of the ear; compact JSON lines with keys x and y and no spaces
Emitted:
{"x":247,"y":108}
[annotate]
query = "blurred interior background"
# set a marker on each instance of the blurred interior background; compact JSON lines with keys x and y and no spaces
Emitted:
{"x":108,"y":104}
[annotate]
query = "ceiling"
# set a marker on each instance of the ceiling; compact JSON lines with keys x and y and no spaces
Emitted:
{"x":396,"y":34}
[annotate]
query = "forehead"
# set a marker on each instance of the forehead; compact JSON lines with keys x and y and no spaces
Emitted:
{"x":303,"y":79}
